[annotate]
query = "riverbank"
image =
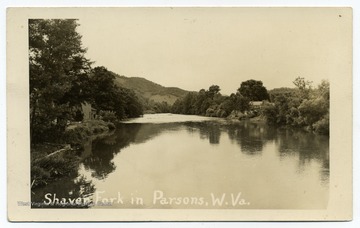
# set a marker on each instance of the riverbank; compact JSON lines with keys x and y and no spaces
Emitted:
{"x":251,"y":115}
{"x":51,"y":161}
{"x":77,"y":132}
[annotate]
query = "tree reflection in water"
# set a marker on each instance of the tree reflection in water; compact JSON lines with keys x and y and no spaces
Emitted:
{"x":208,"y":130}
{"x":103,"y":150}
{"x":306,"y":146}
{"x":251,"y":137}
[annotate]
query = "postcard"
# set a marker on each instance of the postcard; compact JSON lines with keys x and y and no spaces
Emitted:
{"x":179,"y":114}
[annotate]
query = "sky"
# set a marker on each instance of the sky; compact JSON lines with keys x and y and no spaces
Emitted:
{"x":194,"y":48}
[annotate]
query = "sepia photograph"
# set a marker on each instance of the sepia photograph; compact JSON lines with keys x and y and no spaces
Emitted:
{"x":187,"y":108}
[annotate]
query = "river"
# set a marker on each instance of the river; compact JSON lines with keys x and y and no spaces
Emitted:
{"x":178,"y":161}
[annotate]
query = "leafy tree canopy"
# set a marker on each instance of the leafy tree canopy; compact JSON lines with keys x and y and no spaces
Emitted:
{"x":58,"y":70}
{"x":253,"y":90}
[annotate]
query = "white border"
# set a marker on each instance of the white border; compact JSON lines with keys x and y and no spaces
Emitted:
{"x":356,"y":85}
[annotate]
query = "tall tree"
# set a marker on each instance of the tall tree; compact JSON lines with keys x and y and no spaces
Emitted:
{"x":253,"y":90}
{"x":213,"y":90}
{"x":103,"y":89}
{"x":107,"y":96}
{"x":304,"y":87}
{"x":302,"y":84}
{"x":58,"y":69}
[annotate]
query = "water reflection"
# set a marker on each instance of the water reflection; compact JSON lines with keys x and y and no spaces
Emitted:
{"x":250,"y":137}
{"x":238,"y":155}
{"x":208,"y":130}
{"x":103,"y":150}
{"x":307,"y":147}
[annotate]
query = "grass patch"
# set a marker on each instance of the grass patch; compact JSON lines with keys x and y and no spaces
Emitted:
{"x":77,"y":133}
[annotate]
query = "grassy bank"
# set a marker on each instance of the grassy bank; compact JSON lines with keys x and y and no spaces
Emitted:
{"x":76,"y":133}
{"x":252,"y":115}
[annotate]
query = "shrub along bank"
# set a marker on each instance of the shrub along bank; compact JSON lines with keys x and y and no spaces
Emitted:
{"x":51,"y":161}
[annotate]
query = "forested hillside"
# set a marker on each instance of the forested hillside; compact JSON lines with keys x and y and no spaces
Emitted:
{"x":154,"y":98}
{"x":150,"y":90}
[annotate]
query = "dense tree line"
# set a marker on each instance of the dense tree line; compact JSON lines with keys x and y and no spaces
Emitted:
{"x":151,"y":107}
{"x":300,"y":107}
{"x":61,"y":79}
{"x":303,"y":107}
{"x":212,"y":103}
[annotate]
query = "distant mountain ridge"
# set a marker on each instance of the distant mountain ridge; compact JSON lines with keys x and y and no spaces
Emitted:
{"x":150,"y":90}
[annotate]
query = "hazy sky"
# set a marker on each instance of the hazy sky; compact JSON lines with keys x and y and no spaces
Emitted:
{"x":193,"y":48}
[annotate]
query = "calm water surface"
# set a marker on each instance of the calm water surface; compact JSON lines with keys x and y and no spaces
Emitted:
{"x":177,"y":161}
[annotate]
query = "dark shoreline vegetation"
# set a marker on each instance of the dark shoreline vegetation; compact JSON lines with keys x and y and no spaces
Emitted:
{"x":302,"y":107}
{"x":70,"y":101}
